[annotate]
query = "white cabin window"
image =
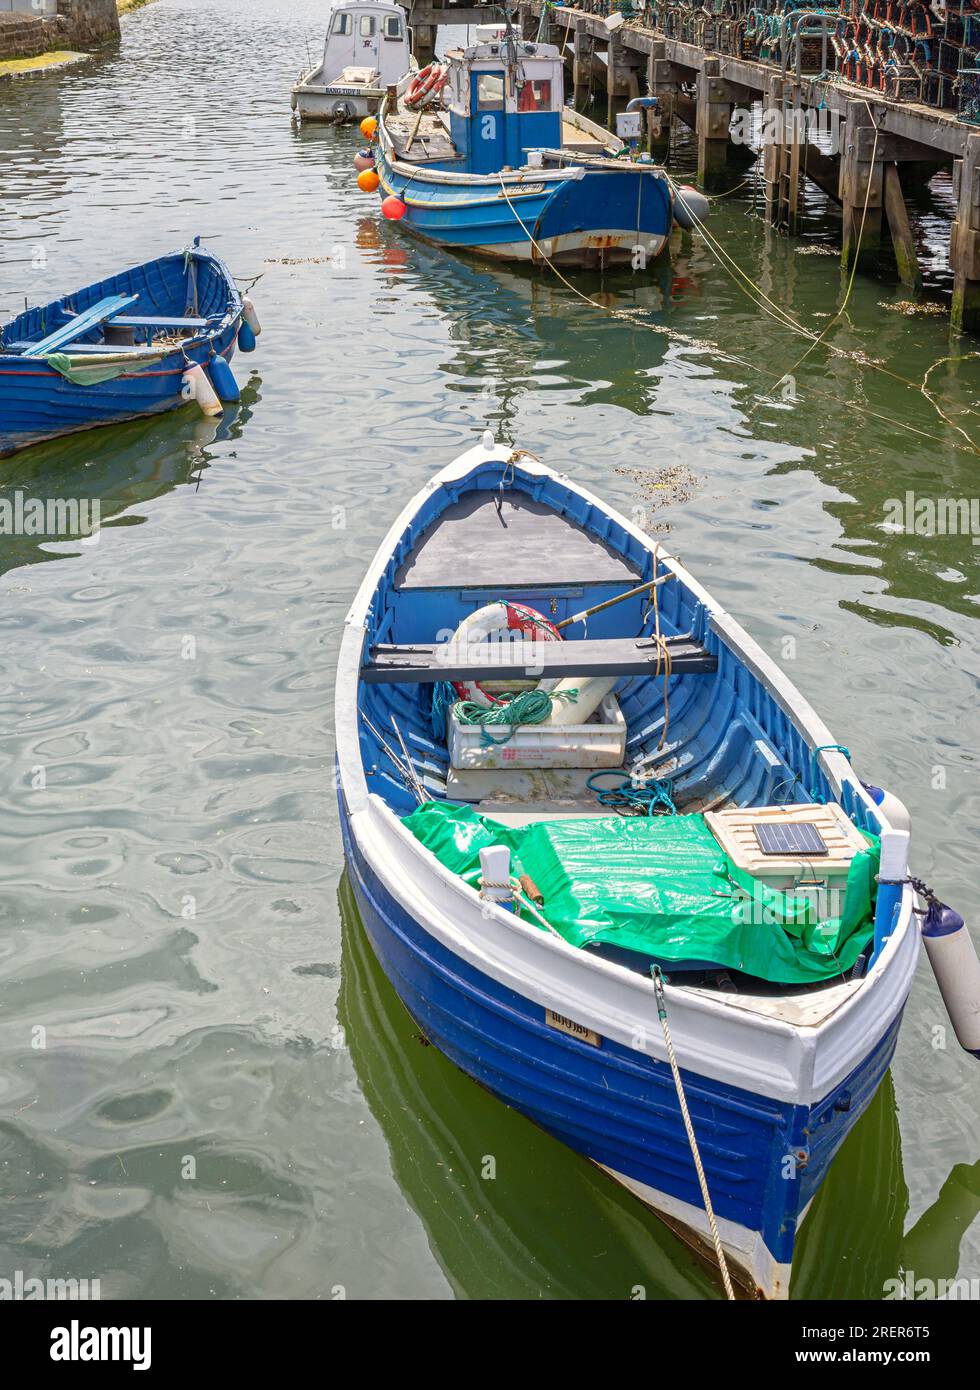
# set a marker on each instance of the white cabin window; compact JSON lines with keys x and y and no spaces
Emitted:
{"x":393,"y":27}
{"x":535,"y":96}
{"x":342,"y":24}
{"x":489,"y":92}
{"x":367,"y":26}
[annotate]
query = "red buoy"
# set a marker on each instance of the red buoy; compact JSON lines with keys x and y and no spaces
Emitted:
{"x":393,"y":207}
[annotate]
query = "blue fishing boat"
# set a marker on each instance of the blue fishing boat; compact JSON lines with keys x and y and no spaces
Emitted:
{"x":503,"y":168}
{"x":144,"y":340}
{"x":613,"y":863}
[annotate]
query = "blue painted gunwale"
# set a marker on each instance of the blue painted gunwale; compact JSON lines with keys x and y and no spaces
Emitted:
{"x":37,"y":403}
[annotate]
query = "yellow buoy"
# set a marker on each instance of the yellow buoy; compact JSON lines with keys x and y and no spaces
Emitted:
{"x":368,"y":126}
{"x":367,"y":180}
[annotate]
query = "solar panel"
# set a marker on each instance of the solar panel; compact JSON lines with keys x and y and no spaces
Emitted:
{"x":790,"y":838}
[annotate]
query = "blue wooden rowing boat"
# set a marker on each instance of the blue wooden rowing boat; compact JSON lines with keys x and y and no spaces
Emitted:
{"x":145,"y":340}
{"x":507,"y":170}
{"x":559,"y":1010}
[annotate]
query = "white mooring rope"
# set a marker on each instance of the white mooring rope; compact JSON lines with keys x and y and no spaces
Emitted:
{"x":658,"y":984}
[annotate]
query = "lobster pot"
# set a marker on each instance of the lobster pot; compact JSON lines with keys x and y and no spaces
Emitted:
{"x":968,"y":96}
{"x":599,"y":743}
{"x":811,"y":52}
{"x":903,"y":83}
{"x":937,"y":90}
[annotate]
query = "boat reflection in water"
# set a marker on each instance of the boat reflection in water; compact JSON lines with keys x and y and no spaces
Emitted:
{"x":105,"y":473}
{"x":510,"y":327}
{"x":548,"y":1224}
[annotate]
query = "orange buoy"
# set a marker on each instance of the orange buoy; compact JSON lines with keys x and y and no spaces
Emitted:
{"x":393,"y":207}
{"x":368,"y":126}
{"x":367,"y":180}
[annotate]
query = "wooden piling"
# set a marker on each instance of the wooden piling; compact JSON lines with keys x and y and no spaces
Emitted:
{"x":900,"y":228}
{"x":424,"y":36}
{"x":714,"y":116}
{"x":772,"y":106}
{"x":581,"y":65}
{"x":621,"y":80}
{"x":861,"y":187}
{"x":964,"y":250}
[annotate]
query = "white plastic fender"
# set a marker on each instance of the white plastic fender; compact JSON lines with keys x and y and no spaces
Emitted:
{"x":689,"y":207}
{"x":954,"y":962}
{"x":195,"y":386}
{"x":250,"y":316}
{"x":591,"y":691}
{"x":895,"y":812}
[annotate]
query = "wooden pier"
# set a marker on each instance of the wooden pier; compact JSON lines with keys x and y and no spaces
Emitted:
{"x":882,"y":143}
{"x":880,"y":140}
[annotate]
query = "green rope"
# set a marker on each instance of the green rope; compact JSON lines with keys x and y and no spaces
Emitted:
{"x":526,"y":707}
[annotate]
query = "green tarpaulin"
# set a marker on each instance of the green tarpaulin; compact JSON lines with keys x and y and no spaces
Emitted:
{"x":663,"y":886}
{"x":91,"y":371}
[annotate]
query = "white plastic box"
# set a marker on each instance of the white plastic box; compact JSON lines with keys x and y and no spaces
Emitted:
{"x":600,"y":743}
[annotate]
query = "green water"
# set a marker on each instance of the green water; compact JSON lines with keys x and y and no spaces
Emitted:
{"x":174,"y":915}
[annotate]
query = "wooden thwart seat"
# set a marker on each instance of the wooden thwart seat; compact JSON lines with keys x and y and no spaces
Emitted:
{"x":82,"y":323}
{"x":426,"y":662}
{"x":157,"y":321}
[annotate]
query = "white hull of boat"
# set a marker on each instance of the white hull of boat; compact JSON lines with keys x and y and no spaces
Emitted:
{"x":315,"y":103}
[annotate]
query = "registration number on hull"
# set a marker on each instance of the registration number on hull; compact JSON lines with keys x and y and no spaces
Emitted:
{"x":568,"y":1025}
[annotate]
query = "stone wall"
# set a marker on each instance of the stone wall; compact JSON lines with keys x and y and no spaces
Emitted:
{"x":78,"y":24}
{"x":91,"y":22}
{"x":24,"y":37}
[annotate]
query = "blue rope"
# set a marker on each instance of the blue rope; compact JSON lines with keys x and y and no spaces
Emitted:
{"x":443,"y":699}
{"x":815,"y":793}
{"x":629,"y":795}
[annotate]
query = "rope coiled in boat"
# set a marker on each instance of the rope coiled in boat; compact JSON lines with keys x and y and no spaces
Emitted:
{"x":631,"y":797}
{"x":525,"y":707}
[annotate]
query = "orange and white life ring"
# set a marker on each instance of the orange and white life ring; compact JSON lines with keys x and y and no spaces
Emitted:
{"x":492,"y":623}
{"x":429,"y":82}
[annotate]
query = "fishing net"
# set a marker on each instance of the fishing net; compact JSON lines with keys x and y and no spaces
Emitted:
{"x":663,"y":887}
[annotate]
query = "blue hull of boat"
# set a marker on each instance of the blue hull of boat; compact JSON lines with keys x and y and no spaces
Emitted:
{"x":612,"y":1104}
{"x":576,"y":219}
{"x":38,"y":403}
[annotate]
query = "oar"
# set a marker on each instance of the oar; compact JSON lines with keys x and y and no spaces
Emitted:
{"x":411,"y":138}
{"x":630,"y":593}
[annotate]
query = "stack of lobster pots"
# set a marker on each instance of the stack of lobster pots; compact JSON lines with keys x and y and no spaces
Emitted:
{"x":912,"y":51}
{"x":909,"y":50}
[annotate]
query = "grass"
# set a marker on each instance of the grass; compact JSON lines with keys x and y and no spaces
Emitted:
{"x":12,"y":66}
{"x":124,"y":6}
